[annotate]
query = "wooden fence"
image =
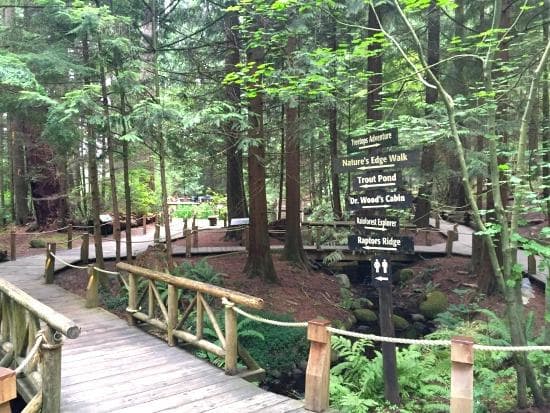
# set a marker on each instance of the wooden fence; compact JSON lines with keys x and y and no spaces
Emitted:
{"x":167,"y":302}
{"x":32,"y":336}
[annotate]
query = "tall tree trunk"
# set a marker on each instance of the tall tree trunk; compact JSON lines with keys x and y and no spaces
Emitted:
{"x":294,"y":248}
{"x":546,"y":119}
{"x":20,"y":184}
{"x":93,"y":174}
{"x":281,"y":166}
{"x":2,"y":177}
{"x":126,"y":178}
{"x":423,"y":203}
{"x":374,"y":67}
{"x":259,"y":262}
{"x":110,"y":154}
{"x":236,"y":198}
{"x":333,"y":132}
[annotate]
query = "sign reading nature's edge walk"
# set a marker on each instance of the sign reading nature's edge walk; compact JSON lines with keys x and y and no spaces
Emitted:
{"x":376,"y":161}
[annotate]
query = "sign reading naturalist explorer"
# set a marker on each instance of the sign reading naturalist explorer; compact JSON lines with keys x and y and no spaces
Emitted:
{"x":376,"y":180}
{"x":381,"y":243}
{"x":378,"y":224}
{"x":397,"y":159}
{"x":373,"y":140}
{"x":380,"y":199}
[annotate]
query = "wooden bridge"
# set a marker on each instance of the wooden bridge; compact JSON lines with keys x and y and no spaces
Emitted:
{"x":111,"y":366}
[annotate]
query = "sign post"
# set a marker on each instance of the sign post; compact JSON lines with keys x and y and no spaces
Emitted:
{"x":377,"y":184}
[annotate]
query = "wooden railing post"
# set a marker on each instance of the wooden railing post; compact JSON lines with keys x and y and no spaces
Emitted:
{"x":51,"y":371}
{"x":50,"y":262}
{"x":13,"y":254}
{"x":184,"y":225}
{"x":318,"y":366}
{"x":195,"y":236}
{"x":92,"y":290}
{"x":452,"y":236}
{"x":246,"y":237}
{"x":132,"y":298}
{"x":231,"y":343}
{"x":144,"y":222}
{"x":8,"y":389}
{"x":225,"y":220}
{"x":172,"y":310}
{"x":531,"y":264}
{"x":462,"y":375}
{"x":194,"y":221}
{"x":70,"y":237}
{"x":156,"y":237}
{"x":85,"y":248}
{"x":188,"y":243}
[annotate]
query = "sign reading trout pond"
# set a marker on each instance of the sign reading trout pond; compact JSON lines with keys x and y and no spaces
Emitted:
{"x":377,"y":182}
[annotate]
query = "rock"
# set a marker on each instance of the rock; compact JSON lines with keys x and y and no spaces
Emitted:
{"x":405,"y":275}
{"x":296,"y":372}
{"x":420,"y":327}
{"x":362,"y":302}
{"x":276,"y":373}
{"x":366,"y":316}
{"x":400,"y":323}
{"x":343,"y":280}
{"x":3,"y":255}
{"x":436,"y":302}
{"x":411,"y":333}
{"x":418,"y":317}
{"x":37,"y":243}
{"x":363,"y":329}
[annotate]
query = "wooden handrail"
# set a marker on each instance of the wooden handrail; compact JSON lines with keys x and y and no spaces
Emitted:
{"x":55,"y":320}
{"x":181,"y":282}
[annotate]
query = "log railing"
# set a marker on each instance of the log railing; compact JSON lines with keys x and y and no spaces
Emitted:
{"x":31,"y":338}
{"x":156,"y":301}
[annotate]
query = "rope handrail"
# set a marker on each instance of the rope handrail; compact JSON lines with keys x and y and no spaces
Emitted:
{"x":78,"y":267}
{"x":240,"y":311}
{"x":43,"y":232}
{"x":106,"y":271}
{"x":373,"y":337}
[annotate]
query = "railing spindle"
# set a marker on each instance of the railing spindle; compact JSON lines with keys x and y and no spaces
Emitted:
{"x":51,"y":371}
{"x":199,"y":316}
{"x":172,"y":321}
{"x":231,"y":343}
{"x":13,"y":254}
{"x":92,"y":289}
{"x":85,"y":248}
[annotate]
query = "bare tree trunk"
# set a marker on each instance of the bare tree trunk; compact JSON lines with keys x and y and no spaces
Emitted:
{"x":281,"y":166}
{"x":374,"y":66}
{"x":333,"y":132}
{"x":259,"y":262}
{"x":423,"y":203}
{"x":20,"y":185}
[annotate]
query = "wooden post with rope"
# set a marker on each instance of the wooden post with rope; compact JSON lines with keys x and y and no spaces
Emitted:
{"x":50,"y":262}
{"x":188,"y":243}
{"x":195,"y":236}
{"x":318,"y":366}
{"x":50,"y":352}
{"x":13,"y":253}
{"x":462,"y":375}
{"x":70,"y":237}
{"x":8,"y":389}
{"x":92,"y":289}
{"x":85,"y":248}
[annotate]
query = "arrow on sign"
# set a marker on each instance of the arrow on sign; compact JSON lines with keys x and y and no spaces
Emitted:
{"x":382,"y":279}
{"x":380,"y":248}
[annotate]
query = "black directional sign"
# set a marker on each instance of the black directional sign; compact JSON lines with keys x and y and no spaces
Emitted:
{"x":378,"y":161}
{"x":380,"y":270}
{"x":378,"y":224}
{"x":376,"y":139}
{"x":379,"y":199}
{"x":379,"y":179}
{"x":381,"y":243}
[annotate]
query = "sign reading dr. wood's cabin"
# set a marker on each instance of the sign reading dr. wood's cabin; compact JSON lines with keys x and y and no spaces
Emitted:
{"x":380,"y":199}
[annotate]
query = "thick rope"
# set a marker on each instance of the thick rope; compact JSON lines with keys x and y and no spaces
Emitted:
{"x":515,"y":349}
{"x":31,"y":354}
{"x":396,"y":340}
{"x":228,"y":303}
{"x":106,"y":272}
{"x":62,"y":261}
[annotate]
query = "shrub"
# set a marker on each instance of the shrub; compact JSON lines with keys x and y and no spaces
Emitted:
{"x":184,"y":211}
{"x":37,"y":243}
{"x":282,"y":349}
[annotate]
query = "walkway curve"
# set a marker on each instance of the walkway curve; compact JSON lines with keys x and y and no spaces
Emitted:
{"x":113,"y":367}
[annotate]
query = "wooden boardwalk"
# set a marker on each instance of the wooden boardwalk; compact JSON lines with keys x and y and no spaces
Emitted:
{"x":113,"y":367}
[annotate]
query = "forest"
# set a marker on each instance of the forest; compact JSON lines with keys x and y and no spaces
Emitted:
{"x":122,"y":107}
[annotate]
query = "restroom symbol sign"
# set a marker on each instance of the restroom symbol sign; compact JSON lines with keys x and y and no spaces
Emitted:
{"x":381,"y":269}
